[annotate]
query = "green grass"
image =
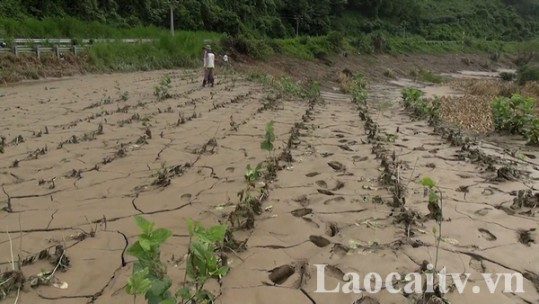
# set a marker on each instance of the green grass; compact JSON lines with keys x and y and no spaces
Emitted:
{"x":182,"y":50}
{"x":68,"y":27}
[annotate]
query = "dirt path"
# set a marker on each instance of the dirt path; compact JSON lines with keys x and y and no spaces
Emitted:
{"x":73,"y":183}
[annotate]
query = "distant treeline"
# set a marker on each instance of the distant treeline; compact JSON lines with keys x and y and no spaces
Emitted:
{"x":432,"y":19}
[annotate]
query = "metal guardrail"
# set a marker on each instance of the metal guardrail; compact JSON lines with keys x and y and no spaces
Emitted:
{"x":58,"y":45}
{"x":38,"y":50}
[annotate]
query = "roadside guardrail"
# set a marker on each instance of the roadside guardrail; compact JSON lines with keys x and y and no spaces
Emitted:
{"x":58,"y":46}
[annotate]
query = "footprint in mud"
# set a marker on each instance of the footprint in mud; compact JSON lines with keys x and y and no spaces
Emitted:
{"x":338,"y":186}
{"x":321,"y":184}
{"x":477,"y":264}
{"x":335,"y":165}
{"x":325,"y":192}
{"x":280,"y":274}
{"x":342,"y":141}
{"x":302,"y":200}
{"x":319,"y":241}
{"x":483,"y":211}
{"x":487,"y":235}
{"x":310,"y":222}
{"x":312,"y":174}
{"x":186,"y":196}
{"x":230,"y":169}
{"x":337,"y":199}
{"x":525,"y":236}
{"x":359,"y":158}
{"x":366,"y":300}
{"x":339,"y":135}
{"x":335,"y":272}
{"x":346,"y":148}
{"x":332,"y":229}
{"x":530,"y":156}
{"x":339,"y":250}
{"x":301,"y":212}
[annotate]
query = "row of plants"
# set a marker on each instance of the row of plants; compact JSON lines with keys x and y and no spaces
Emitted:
{"x":286,"y":84}
{"x":205,"y":256}
{"x":390,"y":178}
{"x":206,"y":245}
{"x":512,"y":115}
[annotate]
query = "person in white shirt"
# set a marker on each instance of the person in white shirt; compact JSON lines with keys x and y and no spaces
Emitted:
{"x":209,"y":65}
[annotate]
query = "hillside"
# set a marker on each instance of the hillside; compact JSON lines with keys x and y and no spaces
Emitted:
{"x":506,"y":20}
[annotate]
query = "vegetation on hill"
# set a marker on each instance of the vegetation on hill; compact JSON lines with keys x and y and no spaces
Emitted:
{"x":259,"y":28}
{"x":433,"y":19}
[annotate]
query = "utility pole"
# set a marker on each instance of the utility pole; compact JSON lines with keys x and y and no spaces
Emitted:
{"x":171,"y":19}
{"x":297,"y":24}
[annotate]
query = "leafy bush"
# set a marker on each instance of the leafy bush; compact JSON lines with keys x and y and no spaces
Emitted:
{"x":430,"y":77}
{"x":359,"y":89}
{"x":421,"y":108}
{"x":506,"y":76}
{"x":161,"y":91}
{"x":527,"y":73}
{"x":410,"y":95}
{"x":335,"y":39}
{"x":515,"y":115}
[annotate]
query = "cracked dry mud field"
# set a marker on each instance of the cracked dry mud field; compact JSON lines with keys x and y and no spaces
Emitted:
{"x":73,"y":183}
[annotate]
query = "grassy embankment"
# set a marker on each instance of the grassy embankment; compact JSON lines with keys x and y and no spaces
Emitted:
{"x":183,"y":49}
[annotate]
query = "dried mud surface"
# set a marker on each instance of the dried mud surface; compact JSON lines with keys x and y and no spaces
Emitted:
{"x":70,"y":184}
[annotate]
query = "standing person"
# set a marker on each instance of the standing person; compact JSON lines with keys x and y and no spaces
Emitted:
{"x":204,"y":64}
{"x":210,"y":65}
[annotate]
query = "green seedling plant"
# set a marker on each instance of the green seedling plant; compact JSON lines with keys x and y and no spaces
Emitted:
{"x":359,"y":90}
{"x":149,"y":277}
{"x":161,"y":91}
{"x":314,"y":89}
{"x":253,"y":174}
{"x":288,"y":85}
{"x":251,"y":198}
{"x":268,"y":145}
{"x":269,"y":138}
{"x":435,"y":206}
{"x":410,"y":95}
{"x":421,"y":108}
{"x":203,"y":262}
